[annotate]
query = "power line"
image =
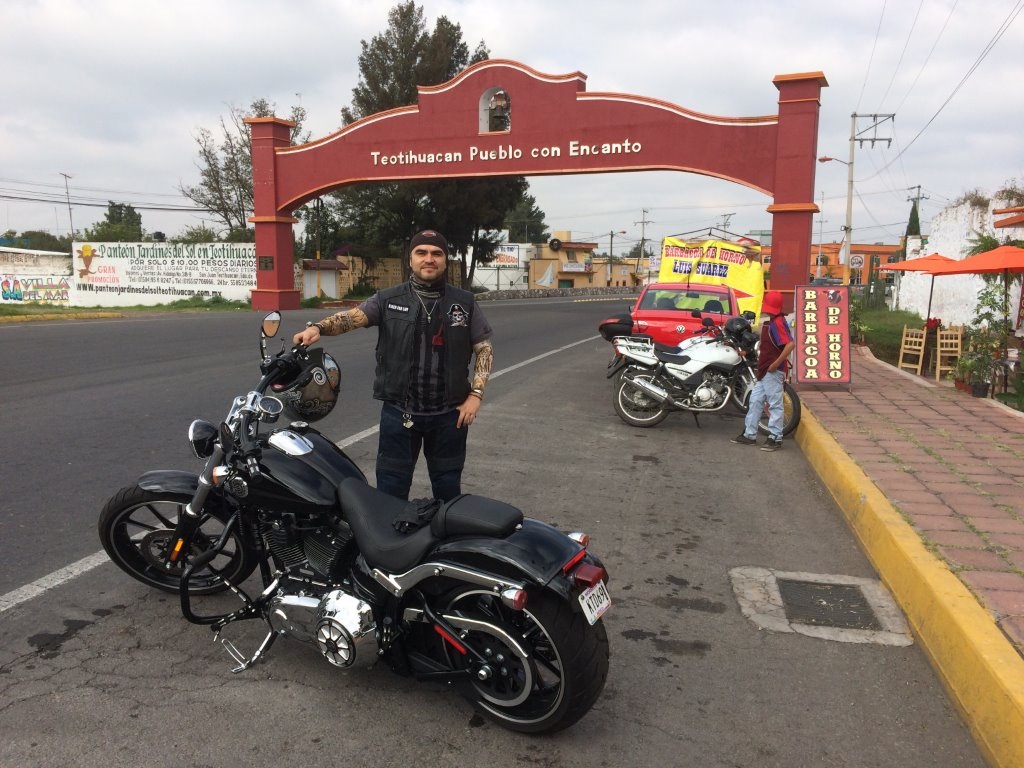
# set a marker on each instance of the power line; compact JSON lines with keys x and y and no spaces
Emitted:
{"x":929,"y":56}
{"x":871,"y":58}
{"x":981,"y":57}
{"x":906,"y":44}
{"x":96,"y":203}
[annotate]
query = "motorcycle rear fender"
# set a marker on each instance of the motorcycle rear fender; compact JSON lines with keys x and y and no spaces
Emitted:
{"x":169,"y":481}
{"x":535,"y":552}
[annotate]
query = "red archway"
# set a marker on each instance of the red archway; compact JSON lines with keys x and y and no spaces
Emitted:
{"x":554,"y":127}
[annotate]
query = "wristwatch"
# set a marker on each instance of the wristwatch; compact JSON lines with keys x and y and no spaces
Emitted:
{"x":319,"y":327}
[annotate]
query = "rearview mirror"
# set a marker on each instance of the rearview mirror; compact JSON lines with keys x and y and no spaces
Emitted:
{"x":271,"y":324}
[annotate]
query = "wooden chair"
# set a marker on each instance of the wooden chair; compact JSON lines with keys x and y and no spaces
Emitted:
{"x":948,"y":349}
{"x":912,"y":349}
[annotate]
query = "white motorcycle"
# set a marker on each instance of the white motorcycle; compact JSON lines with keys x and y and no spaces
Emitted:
{"x":703,"y":374}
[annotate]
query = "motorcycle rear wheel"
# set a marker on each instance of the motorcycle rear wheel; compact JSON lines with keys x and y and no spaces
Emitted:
{"x":136,"y":527}
{"x":562,"y":674}
{"x":633,"y":405}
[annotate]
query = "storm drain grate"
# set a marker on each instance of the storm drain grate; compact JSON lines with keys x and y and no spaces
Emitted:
{"x":826,"y":605}
{"x":847,"y":609}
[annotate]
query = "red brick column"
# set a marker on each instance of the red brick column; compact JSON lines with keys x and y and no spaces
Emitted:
{"x":795,"y":161}
{"x":275,"y":275}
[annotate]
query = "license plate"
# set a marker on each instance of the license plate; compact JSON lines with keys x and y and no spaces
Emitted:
{"x":595,"y":601}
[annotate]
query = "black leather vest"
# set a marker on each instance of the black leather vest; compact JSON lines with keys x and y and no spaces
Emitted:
{"x":399,"y":309}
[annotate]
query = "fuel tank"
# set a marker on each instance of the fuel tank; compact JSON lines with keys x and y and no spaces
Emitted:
{"x":301,"y":470}
{"x":703,"y":354}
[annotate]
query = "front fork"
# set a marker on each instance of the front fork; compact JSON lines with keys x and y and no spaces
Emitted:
{"x":189,"y":522}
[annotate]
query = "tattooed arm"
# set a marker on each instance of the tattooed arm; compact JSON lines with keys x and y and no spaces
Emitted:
{"x":481,"y":372}
{"x":338,"y":323}
{"x":484,"y":362}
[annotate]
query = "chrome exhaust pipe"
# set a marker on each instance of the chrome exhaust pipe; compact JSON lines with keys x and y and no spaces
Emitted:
{"x":652,"y":390}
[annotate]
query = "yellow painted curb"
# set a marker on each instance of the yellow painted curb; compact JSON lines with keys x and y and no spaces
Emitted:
{"x":981,"y":670}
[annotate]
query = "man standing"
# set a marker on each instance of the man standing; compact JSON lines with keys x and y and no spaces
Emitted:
{"x":428,"y":334}
{"x":772,"y":363}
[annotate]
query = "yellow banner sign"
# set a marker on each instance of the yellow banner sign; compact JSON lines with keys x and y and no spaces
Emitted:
{"x":718,"y":262}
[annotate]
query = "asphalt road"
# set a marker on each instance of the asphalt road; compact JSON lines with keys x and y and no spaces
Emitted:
{"x":101,"y":671}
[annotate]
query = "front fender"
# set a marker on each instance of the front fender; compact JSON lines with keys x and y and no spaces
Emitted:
{"x":169,"y":481}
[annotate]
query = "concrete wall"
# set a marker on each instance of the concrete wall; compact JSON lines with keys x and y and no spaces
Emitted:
{"x":954,"y":296}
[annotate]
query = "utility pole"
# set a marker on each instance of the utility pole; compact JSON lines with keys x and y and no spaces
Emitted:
{"x":643,"y":239}
{"x":860,"y":138}
{"x":67,"y":193}
{"x":726,"y":218}
{"x":916,"y":199}
{"x":821,"y":223}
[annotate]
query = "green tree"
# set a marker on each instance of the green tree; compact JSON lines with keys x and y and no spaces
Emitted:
{"x":636,"y":253}
{"x":914,"y":222}
{"x":225,"y":167}
{"x":525,"y":222}
{"x":199,"y":233}
{"x":382,"y":217}
{"x":36,"y":240}
{"x":121,"y":224}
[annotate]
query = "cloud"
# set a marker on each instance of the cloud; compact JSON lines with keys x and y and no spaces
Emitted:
{"x":113,"y":93}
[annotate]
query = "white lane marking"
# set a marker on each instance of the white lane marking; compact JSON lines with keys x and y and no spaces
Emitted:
{"x":55,"y":579}
{"x":39,"y":586}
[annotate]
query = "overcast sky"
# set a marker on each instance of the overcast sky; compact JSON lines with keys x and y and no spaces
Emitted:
{"x":112,"y":93}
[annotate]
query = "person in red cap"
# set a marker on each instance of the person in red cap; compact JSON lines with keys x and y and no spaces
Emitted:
{"x":429,"y":332}
{"x":772,"y":363}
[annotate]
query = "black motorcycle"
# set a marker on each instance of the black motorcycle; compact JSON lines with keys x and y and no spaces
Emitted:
{"x":469,"y":591}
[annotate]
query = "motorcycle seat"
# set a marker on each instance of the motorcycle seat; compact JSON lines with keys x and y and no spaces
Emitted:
{"x":371,"y":514}
{"x":669,"y":354}
{"x":469,"y":515}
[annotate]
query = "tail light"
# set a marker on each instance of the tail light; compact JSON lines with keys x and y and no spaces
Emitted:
{"x":584,"y":575}
{"x":587,"y":575}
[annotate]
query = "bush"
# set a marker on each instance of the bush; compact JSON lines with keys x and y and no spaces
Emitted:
{"x":884,"y":331}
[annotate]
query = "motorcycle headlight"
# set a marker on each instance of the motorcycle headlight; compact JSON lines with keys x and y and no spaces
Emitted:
{"x":203,"y":436}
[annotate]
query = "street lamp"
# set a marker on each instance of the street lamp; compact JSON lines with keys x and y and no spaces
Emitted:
{"x":844,"y":257}
{"x":611,"y":242}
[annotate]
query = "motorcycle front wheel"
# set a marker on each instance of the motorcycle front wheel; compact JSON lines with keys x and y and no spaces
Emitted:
{"x":136,"y":528}
{"x":559,"y":677}
{"x":633,"y":405}
{"x":790,"y":407}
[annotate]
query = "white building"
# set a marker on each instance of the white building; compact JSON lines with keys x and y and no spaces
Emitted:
{"x":953,"y":297}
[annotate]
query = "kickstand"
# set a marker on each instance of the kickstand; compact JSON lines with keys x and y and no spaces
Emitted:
{"x":239,"y":657}
{"x":696,"y":419}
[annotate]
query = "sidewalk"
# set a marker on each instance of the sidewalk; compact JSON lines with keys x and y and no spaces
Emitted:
{"x":932,"y":482}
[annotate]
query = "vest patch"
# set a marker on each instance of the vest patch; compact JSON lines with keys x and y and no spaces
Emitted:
{"x":397,"y":307}
{"x":458,"y":317}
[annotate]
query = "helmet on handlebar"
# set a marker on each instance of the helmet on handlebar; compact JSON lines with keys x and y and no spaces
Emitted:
{"x":312,"y":393}
{"x":735,"y":326}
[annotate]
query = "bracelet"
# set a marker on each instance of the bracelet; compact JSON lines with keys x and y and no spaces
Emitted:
{"x":478,"y":394}
{"x":318,"y":326}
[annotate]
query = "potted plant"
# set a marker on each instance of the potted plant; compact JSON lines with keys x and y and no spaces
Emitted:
{"x":857,"y":325}
{"x":962,"y":372}
{"x":986,"y":340}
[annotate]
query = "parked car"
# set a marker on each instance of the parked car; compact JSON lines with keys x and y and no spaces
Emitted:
{"x":671,"y":312}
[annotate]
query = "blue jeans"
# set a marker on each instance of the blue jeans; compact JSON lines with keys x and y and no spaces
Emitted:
{"x":769,"y":388}
{"x":443,"y":445}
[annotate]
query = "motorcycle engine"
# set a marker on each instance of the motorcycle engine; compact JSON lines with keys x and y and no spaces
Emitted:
{"x":320,"y":548}
{"x":712,"y":392}
{"x":340,"y":625}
